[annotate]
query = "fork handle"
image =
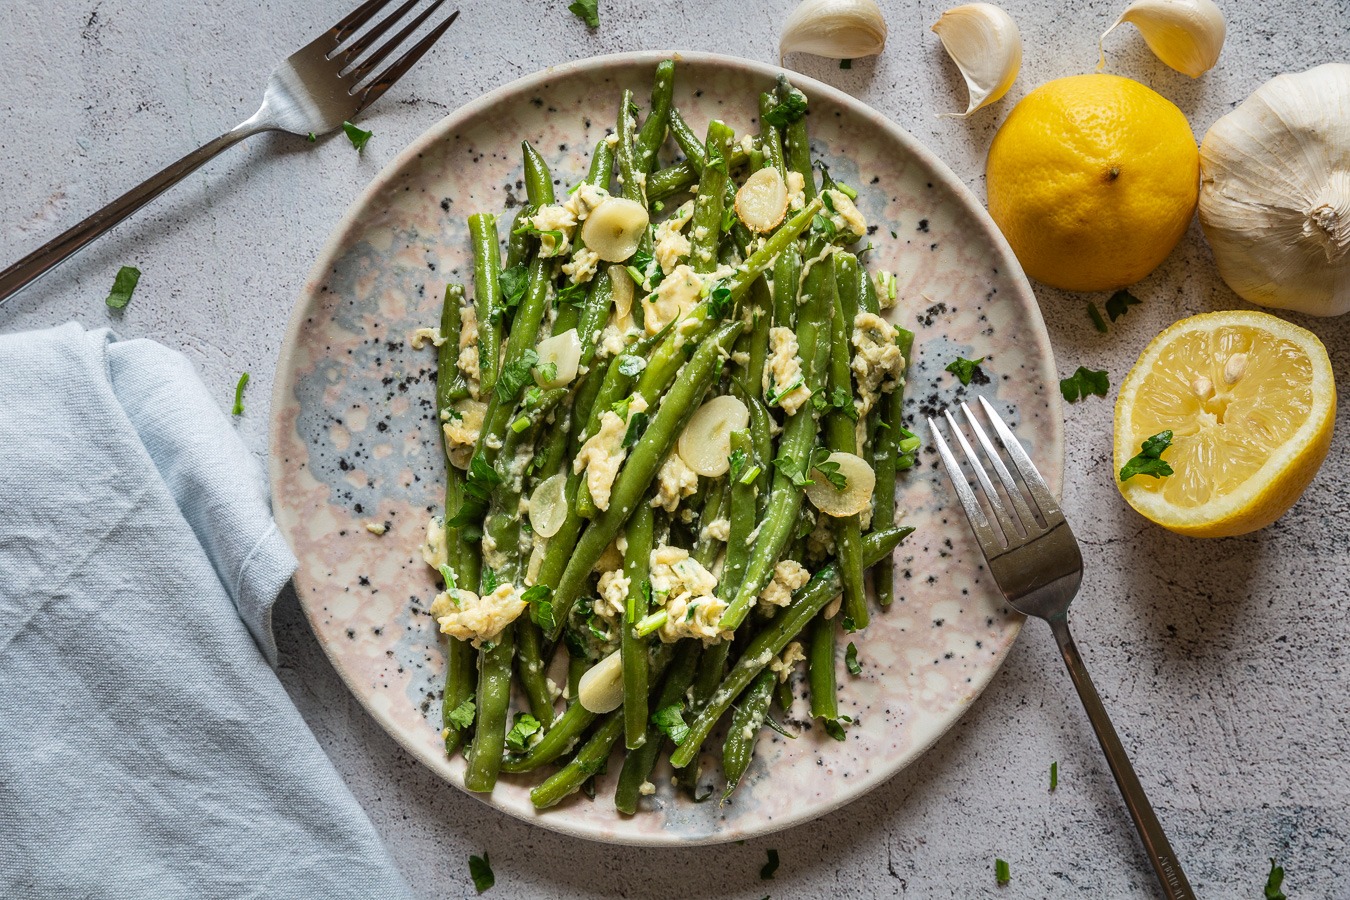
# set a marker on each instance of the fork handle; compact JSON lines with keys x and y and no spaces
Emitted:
{"x":60,"y":248}
{"x":1165,"y":864}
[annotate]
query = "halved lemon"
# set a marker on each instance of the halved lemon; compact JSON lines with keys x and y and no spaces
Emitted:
{"x":1251,"y":402}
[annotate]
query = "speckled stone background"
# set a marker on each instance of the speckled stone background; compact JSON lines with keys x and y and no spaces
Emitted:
{"x":1224,"y":662}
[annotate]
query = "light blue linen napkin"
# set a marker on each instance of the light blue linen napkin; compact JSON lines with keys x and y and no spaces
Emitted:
{"x":147,"y":748}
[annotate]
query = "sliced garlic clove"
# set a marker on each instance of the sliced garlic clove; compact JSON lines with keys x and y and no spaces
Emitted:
{"x":762,"y":201}
{"x":859,"y":483}
{"x":621,"y":293}
{"x":562,"y":350}
{"x":600,"y":690}
{"x":548,"y":505}
{"x":1185,"y":34}
{"x":839,"y":29}
{"x":614,"y":228}
{"x":986,"y":46}
{"x":705,"y":443}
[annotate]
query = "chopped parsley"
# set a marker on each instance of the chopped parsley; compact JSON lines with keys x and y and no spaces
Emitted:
{"x":840,"y":400}
{"x":540,"y":599}
{"x":1001,"y":873}
{"x":787,"y":110}
{"x":637,"y":426}
{"x":482,"y":478}
{"x":750,"y":475}
{"x":851,"y":659}
{"x":488,"y":579}
{"x":124,"y":284}
{"x":1083,"y":384}
{"x":587,"y":11}
{"x":523,"y":728}
{"x":462,"y":716}
{"x":1275,"y":883}
{"x":513,"y":282}
{"x":1054,"y":775}
{"x":1148,"y":461}
{"x":238,"y":409}
{"x":835,"y":727}
{"x":820,"y":462}
{"x":631,"y":365}
{"x":1120,"y":303}
{"x":357,"y":136}
{"x":776,"y":393}
{"x":451,"y":582}
{"x":312,"y":137}
{"x":845,"y":63}
{"x":515,"y":375}
{"x":670,"y":719}
{"x":548,"y":372}
{"x":480,"y":870}
{"x":719,"y":300}
{"x":964,"y":369}
{"x":1096,"y":316}
{"x":572,"y":295}
{"x":766,"y":872}
{"x":736,"y":462}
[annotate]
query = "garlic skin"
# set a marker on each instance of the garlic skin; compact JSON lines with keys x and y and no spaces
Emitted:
{"x":1275,"y":193}
{"x":986,"y":46}
{"x":1185,"y":34}
{"x":840,"y":29}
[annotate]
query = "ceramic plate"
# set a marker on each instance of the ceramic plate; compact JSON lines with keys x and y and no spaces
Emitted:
{"x":354,"y":440}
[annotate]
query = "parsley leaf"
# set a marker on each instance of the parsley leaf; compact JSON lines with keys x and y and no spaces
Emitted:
{"x":513,"y":282}
{"x":1275,"y":883}
{"x":637,"y":426}
{"x":670,"y":719}
{"x":238,"y":409}
{"x":462,"y":716}
{"x":851,"y":659}
{"x":573,"y":295}
{"x":481,"y":872}
{"x":840,"y":400}
{"x":357,"y":136}
{"x":482,"y":478}
{"x":587,"y":11}
{"x":964,"y":369}
{"x":789,"y":109}
{"x":737,"y":462}
{"x":1149,"y":459}
{"x":819,"y":461}
{"x":1083,"y":384}
{"x":123,"y":286}
{"x":540,"y":598}
{"x":631,"y":365}
{"x":515,"y":375}
{"x":522,"y":729}
{"x":766,"y":872}
{"x":1095,"y":314}
{"x":451,"y":582}
{"x":488,"y":579}
{"x":1001,"y":873}
{"x":1120,"y":303}
{"x":845,"y":63}
{"x":792,"y":470}
{"x":548,"y":372}
{"x":719,"y":301}
{"x":1054,"y":775}
{"x":835,"y":730}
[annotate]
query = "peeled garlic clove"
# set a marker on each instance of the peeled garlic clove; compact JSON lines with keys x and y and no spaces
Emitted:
{"x":986,"y":46}
{"x":1185,"y":34}
{"x":564,"y":352}
{"x":600,"y":690}
{"x":840,"y":29}
{"x":762,"y":201}
{"x":705,"y":443}
{"x":548,"y":507}
{"x":859,"y":482}
{"x":614,"y":228}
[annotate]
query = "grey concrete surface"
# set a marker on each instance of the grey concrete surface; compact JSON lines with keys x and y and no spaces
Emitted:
{"x":1224,"y":662}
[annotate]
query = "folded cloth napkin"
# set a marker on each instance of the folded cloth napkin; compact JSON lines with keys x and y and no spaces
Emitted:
{"x":147,"y":748}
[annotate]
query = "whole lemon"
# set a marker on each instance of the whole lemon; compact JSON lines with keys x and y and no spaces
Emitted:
{"x":1093,"y":180}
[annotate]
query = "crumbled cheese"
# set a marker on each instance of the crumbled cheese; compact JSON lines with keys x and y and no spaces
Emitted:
{"x":610,"y":559}
{"x":602,"y":454}
{"x":878,"y":365}
{"x":740,"y":357}
{"x":646,"y":789}
{"x":613,"y":588}
{"x":669,"y":244}
{"x":677,"y":293}
{"x":611,"y":342}
{"x":785,"y":368}
{"x":674,"y":481}
{"x":846,"y":216}
{"x":377,"y":528}
{"x":434,"y":550}
{"x":554,"y":218}
{"x":461,"y":434}
{"x":796,"y":186}
{"x":788,"y":575}
{"x":554,"y":691}
{"x":468,"y":348}
{"x":584,"y":200}
{"x":684,"y":589}
{"x":463,"y":614}
{"x":782,"y":666}
{"x":421,"y":336}
{"x":582,"y":266}
{"x":717,"y":529}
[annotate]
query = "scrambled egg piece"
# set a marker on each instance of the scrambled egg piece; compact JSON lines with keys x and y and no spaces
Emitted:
{"x":376,"y":528}
{"x":878,"y":364}
{"x":782,"y":666}
{"x":670,"y":245}
{"x":674,"y":481}
{"x":468,"y":348}
{"x":677,"y":293}
{"x":846,"y":217}
{"x":796,"y":186}
{"x":422,"y":335}
{"x":582,"y":266}
{"x":584,"y":200}
{"x":463,"y":614}
{"x":603,"y":453}
{"x":461,"y":434}
{"x":613,"y":588}
{"x":788,"y":575}
{"x":434,"y":552}
{"x":717,"y":529}
{"x":554,"y":218}
{"x":685,"y":590}
{"x":783,"y":373}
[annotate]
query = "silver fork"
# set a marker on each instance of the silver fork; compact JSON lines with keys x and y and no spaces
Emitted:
{"x":1037,"y":564}
{"x":320,"y":86}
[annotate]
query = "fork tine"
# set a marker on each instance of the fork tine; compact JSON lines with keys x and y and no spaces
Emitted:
{"x":385,"y":79}
{"x":1024,"y":513}
{"x":1011,"y":531}
{"x":974,"y":512}
{"x":1040,"y":491}
{"x":353,"y":52}
{"x":355,"y":19}
{"x":367,"y":65}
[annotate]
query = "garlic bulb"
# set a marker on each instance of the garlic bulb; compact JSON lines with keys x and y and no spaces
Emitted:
{"x":1275,"y":193}
{"x":841,"y":29}
{"x":1185,"y":34}
{"x":986,"y":46}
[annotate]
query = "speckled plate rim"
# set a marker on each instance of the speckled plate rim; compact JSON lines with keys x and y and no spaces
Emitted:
{"x":349,"y":222}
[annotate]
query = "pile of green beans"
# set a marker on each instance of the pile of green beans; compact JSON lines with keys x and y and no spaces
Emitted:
{"x":522,"y":606}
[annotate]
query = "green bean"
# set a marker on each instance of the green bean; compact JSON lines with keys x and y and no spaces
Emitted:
{"x":666,"y":183}
{"x":746,"y":722}
{"x":576,"y":667}
{"x":653,"y":132}
{"x":820,"y":669}
{"x":888,"y":435}
{"x":761,"y":436}
{"x":636,"y":566}
{"x":594,"y":313}
{"x":494,"y":698}
{"x":712,"y":667}
{"x":797,"y":146}
{"x":809,"y":600}
{"x":556,"y":741}
{"x":847,"y":275}
{"x":487,"y":270}
{"x":530,"y":669}
{"x":638,"y":764}
{"x":631,"y":174}
{"x":450,"y":382}
{"x":787,"y":277}
{"x":770,"y":139}
{"x":461,"y":675}
{"x":692,"y":148}
{"x":841,"y":437}
{"x":588,"y":761}
{"x":538,"y":178}
{"x":518,"y":239}
{"x":705,"y":545}
{"x":645,"y":458}
{"x":602,"y":165}
{"x":706,"y":225}
{"x":758,"y":339}
{"x":742,"y":515}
